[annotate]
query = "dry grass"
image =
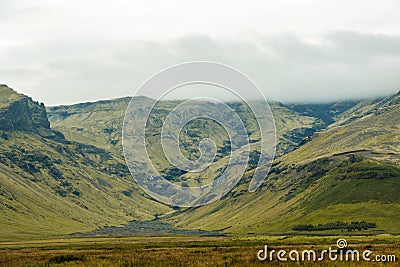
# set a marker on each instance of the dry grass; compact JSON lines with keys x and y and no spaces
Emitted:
{"x":178,"y":251}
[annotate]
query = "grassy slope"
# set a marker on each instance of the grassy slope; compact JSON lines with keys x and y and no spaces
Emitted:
{"x":377,"y":130}
{"x":303,"y":186}
{"x":84,"y":198}
{"x":50,"y":186}
{"x":100,"y":124}
{"x":299,"y":182}
{"x":297,"y":197}
{"x":281,"y":202}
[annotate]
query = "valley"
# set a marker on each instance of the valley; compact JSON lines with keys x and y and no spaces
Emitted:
{"x":63,"y":170}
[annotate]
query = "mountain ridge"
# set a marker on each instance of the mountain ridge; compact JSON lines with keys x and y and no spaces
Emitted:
{"x":52,"y":186}
{"x":20,"y":113}
{"x":76,"y":168}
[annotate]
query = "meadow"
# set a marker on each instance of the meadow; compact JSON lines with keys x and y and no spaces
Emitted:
{"x":184,"y":250}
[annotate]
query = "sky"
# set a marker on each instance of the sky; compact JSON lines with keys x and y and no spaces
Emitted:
{"x":64,"y":52}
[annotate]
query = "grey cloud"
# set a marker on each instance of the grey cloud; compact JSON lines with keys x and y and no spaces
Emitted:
{"x":341,"y":65}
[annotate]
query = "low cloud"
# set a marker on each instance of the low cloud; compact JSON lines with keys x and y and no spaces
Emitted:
{"x":333,"y":66}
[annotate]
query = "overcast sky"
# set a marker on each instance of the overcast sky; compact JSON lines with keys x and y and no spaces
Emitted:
{"x":62,"y":52}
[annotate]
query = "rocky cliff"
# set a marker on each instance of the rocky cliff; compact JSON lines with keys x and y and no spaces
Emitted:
{"x":20,"y":113}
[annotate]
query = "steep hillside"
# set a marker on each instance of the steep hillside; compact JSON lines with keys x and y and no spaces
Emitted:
{"x":19,"y":113}
{"x":311,"y":193}
{"x":52,"y":186}
{"x":327,"y":113}
{"x":361,"y":142}
{"x":100,"y":123}
{"x":347,"y":173}
{"x":373,"y":129}
{"x":338,"y":163}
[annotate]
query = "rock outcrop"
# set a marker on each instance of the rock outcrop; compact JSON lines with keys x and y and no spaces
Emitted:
{"x":20,"y":113}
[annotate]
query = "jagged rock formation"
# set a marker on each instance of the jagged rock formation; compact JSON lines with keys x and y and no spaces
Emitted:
{"x":20,"y":113}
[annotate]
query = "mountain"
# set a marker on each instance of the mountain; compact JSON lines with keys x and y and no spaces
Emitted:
{"x":371,"y":127}
{"x":62,"y":169}
{"x":100,"y":123}
{"x":52,"y":186}
{"x":315,"y":143}
{"x":350,"y":172}
{"x":326,"y":112}
{"x":19,"y":113}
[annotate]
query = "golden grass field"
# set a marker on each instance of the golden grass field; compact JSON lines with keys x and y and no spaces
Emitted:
{"x":184,"y":251}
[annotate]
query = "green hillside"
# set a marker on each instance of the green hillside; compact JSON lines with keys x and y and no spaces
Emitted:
{"x":349,"y":172}
{"x":373,"y":129}
{"x":326,"y":112}
{"x":312,"y":193}
{"x":52,"y":186}
{"x":307,"y":163}
{"x":100,"y":123}
{"x":334,"y":162}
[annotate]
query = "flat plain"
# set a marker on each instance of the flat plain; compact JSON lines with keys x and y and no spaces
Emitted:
{"x":187,"y":251}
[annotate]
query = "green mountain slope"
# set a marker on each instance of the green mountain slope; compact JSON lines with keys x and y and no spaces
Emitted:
{"x":375,"y":128}
{"x":304,"y":174}
{"x":312,"y":193}
{"x":336,"y":163}
{"x":100,"y":123}
{"x":52,"y":186}
{"x":350,"y":172}
{"x":328,"y":112}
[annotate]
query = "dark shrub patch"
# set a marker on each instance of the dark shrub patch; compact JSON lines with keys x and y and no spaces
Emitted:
{"x":66,"y":258}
